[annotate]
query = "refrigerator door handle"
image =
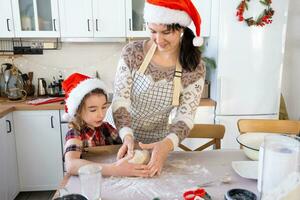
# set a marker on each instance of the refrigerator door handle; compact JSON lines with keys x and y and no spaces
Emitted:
{"x":219,"y":94}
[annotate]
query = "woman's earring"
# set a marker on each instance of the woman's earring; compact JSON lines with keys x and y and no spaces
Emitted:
{"x":181,"y":32}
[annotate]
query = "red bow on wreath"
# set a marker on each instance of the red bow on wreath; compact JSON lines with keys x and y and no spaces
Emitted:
{"x":264,"y":18}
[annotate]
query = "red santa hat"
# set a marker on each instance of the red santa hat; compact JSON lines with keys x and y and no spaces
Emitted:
{"x":174,"y":11}
{"x":76,"y":86}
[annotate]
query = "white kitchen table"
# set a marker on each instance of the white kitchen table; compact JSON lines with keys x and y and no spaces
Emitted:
{"x":182,"y":171}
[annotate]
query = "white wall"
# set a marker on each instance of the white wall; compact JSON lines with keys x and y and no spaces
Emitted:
{"x":291,"y":69}
{"x":73,"y":57}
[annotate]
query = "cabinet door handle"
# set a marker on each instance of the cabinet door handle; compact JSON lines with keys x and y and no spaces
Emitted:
{"x":9,"y":126}
{"x":88,"y":23}
{"x":52,"y":126}
{"x":130,"y":24}
{"x":7,"y":24}
{"x":97,"y":25}
{"x":54,"y":24}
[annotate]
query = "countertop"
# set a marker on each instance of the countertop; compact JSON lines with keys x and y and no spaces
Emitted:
{"x":10,"y":106}
{"x":7,"y":106}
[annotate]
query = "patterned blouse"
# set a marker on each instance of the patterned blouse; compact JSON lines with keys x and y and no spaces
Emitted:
{"x":141,"y":103}
{"x":102,"y":135}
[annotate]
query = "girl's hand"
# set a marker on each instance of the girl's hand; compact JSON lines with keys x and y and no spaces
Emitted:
{"x":126,"y":148}
{"x":123,"y":168}
{"x":160,"y":151}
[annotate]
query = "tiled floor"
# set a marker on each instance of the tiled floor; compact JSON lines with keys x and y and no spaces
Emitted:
{"x":40,"y":195}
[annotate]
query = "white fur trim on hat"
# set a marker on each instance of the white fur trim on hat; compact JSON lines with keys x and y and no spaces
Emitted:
{"x":163,"y":15}
{"x":77,"y":94}
{"x":198,"y":41}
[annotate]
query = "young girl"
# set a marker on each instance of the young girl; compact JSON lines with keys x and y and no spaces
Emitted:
{"x":86,"y":104}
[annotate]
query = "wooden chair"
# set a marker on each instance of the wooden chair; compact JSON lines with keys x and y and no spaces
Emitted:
{"x":269,"y":126}
{"x":214,"y":131}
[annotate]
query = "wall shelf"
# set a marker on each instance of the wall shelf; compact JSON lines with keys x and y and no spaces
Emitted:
{"x":22,"y":46}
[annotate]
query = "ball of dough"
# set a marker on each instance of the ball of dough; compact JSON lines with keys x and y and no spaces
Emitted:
{"x":140,"y":157}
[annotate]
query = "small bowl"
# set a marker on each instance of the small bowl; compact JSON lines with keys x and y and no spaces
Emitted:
{"x":72,"y":197}
{"x":251,"y":143}
{"x":240,"y":194}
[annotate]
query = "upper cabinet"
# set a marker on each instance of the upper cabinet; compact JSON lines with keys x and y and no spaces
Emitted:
{"x":136,"y":26}
{"x":109,"y":18}
{"x":36,"y":18}
{"x":92,"y":18}
{"x":6,"y":20}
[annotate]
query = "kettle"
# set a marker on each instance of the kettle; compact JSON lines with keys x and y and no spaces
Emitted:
{"x":15,"y":94}
{"x":42,"y":87}
{"x":6,"y":71}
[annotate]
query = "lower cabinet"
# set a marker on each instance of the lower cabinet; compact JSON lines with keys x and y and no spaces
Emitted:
{"x":9,"y":180}
{"x":39,"y":153}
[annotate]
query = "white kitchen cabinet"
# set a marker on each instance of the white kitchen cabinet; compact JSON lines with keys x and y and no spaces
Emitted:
{"x":36,"y":18}
{"x":9,"y":180}
{"x":136,"y":26}
{"x":6,"y":19}
{"x":3,"y":156}
{"x":38,"y":141}
{"x":92,"y":18}
{"x":109,"y":18}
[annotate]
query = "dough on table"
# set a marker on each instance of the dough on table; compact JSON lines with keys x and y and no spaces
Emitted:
{"x":140,"y":157}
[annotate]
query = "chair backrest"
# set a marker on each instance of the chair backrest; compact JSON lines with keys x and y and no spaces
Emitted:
{"x":269,"y":126}
{"x":214,"y":131}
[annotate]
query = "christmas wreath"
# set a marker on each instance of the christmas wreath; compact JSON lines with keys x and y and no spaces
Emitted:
{"x":264,"y":18}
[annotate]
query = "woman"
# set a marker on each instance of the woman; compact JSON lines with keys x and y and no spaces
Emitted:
{"x":156,"y":75}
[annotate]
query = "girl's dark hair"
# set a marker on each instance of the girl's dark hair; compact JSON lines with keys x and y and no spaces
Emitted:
{"x":78,"y":123}
{"x":189,"y":56}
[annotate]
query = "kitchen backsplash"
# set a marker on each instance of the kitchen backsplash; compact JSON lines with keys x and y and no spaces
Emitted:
{"x":85,"y":58}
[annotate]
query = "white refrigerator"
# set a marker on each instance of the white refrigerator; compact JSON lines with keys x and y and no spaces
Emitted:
{"x":247,"y":81}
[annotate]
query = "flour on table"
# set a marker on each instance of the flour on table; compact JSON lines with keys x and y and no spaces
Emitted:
{"x":171,"y":182}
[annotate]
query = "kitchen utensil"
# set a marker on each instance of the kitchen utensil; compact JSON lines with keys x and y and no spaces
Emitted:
{"x":30,"y":87}
{"x":42,"y":87}
{"x":5,"y":68}
{"x":30,"y":77}
{"x":15,"y":94}
{"x":6,"y":75}
{"x":25,"y":78}
{"x":251,"y":143}
{"x":246,"y":168}
{"x":198,"y":193}
{"x":237,"y":193}
{"x":71,"y":197}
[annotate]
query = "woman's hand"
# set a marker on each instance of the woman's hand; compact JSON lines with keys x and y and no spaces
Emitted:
{"x":123,"y":168}
{"x":126,"y":148}
{"x":160,"y":151}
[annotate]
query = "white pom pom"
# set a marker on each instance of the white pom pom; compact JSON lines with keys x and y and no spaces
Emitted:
{"x":198,"y":41}
{"x":66,"y":117}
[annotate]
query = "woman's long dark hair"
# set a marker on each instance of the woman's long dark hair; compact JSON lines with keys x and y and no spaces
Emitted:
{"x":189,"y":56}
